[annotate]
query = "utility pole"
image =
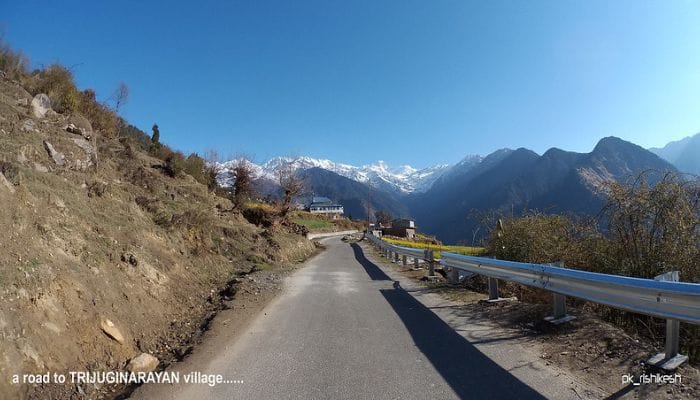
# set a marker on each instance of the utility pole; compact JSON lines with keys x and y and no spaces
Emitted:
{"x":369,"y":203}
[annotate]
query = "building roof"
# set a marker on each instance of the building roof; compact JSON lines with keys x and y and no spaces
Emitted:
{"x":323,"y":201}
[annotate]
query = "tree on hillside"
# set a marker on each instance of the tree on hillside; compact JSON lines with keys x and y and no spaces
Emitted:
{"x":155,"y":138}
{"x":292,"y":186}
{"x":241,"y":175}
{"x":382,"y":217}
{"x":211,"y":168}
{"x":120,"y":96}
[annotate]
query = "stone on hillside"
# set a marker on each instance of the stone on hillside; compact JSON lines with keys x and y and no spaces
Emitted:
{"x":5,"y":183}
{"x":143,"y":363}
{"x":77,"y":131}
{"x":85,"y":145}
{"x":28,"y":126}
{"x":41,"y":104}
{"x":40,"y":167}
{"x":111,"y":330}
{"x":22,"y":102}
{"x":81,"y":122}
{"x":57,"y":157}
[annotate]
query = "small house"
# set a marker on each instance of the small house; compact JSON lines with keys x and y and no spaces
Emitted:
{"x":402,"y":227}
{"x":325,"y":206}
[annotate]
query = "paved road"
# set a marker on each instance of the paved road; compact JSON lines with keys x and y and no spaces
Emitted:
{"x":344,"y":329}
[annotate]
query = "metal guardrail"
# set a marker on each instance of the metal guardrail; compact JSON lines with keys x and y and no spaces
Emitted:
{"x":662,"y":297}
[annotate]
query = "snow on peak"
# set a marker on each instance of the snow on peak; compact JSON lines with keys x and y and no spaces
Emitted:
{"x":403,"y":178}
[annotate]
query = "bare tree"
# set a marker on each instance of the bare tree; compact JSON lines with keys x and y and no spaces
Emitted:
{"x":241,"y":176}
{"x":292,"y":186}
{"x":383,"y":217}
{"x":120,"y":96}
{"x":211,"y":168}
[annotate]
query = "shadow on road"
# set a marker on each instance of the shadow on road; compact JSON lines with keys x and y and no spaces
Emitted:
{"x":469,"y":372}
{"x":372,"y":270}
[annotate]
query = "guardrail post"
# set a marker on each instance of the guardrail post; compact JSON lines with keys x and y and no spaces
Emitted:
{"x":396,"y":257}
{"x":455,"y":275}
{"x":559,"y":315}
{"x":415,"y":262}
{"x":669,"y":360}
{"x":430,"y":257}
{"x":493,"y":289}
{"x":403,"y":260}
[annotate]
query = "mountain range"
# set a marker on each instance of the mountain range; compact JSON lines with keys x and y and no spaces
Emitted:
{"x":449,"y":200}
{"x":684,"y":154}
{"x":403,"y":179}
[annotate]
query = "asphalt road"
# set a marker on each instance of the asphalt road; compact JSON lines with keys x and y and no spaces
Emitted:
{"x":343,"y":328}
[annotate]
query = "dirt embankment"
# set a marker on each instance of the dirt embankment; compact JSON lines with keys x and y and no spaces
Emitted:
{"x":104,"y":256}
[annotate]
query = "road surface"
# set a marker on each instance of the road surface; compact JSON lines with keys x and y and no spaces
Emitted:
{"x":343,"y":328}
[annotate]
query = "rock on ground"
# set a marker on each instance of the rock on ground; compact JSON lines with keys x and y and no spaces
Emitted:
{"x":143,"y":363}
{"x":111,"y":330}
{"x":4,"y":182}
{"x":41,"y":104}
{"x":57,"y":157}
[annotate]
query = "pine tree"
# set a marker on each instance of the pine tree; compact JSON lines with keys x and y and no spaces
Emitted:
{"x":156,"y":134}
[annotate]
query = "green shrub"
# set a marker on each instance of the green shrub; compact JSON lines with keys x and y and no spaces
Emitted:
{"x":174,"y":164}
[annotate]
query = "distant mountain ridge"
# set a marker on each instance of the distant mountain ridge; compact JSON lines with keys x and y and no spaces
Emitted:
{"x":684,"y":154}
{"x":447,"y":200}
{"x":402,"y":180}
{"x":513,"y":181}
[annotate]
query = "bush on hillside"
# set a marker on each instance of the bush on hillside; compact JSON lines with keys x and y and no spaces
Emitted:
{"x":648,"y":230}
{"x":103,"y":119}
{"x":655,"y":229}
{"x":174,"y":164}
{"x":13,"y":63}
{"x":58,"y":83}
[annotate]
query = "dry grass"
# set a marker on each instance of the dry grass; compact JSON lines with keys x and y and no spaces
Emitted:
{"x":464,"y":250}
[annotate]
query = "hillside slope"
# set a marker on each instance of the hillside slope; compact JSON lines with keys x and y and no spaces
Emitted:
{"x":97,"y":234}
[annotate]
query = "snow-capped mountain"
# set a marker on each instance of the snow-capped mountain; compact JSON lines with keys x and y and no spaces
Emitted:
{"x":403,"y":179}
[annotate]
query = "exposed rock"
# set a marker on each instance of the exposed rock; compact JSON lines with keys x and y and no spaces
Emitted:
{"x":5,"y":183}
{"x":41,"y":104}
{"x":81,"y":122}
{"x":40,"y":167}
{"x":22,"y":102}
{"x":28,"y":126}
{"x":77,"y":131}
{"x":111,"y":330}
{"x":58,"y":158}
{"x":143,"y":363}
{"x":85,"y":145}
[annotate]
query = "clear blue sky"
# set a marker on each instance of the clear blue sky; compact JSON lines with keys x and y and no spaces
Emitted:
{"x":416,"y":82}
